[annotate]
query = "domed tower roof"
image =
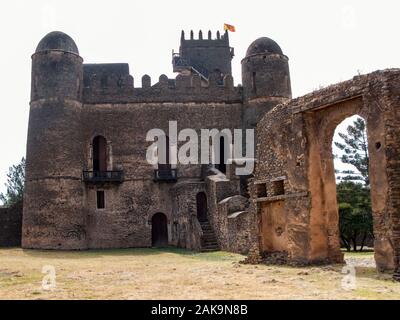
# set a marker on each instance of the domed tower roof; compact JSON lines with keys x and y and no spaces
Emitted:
{"x":57,"y":40}
{"x":264,"y":45}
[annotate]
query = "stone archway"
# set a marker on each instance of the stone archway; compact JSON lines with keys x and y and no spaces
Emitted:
{"x":324,"y":219}
{"x":159,"y":230}
{"x":300,"y":156}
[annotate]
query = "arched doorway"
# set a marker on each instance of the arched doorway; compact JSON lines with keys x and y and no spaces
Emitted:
{"x":159,"y":230}
{"x":351,"y":162}
{"x":99,"y":154}
{"x":201,"y":203}
{"x":324,"y":213}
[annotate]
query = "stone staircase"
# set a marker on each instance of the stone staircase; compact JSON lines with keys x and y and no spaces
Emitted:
{"x":208,"y":240}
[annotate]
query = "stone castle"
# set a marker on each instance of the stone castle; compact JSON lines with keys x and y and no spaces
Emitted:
{"x":89,"y":185}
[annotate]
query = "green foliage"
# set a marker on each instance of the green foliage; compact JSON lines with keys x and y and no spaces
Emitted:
{"x":355,"y":214}
{"x":355,"y":148}
{"x":15,"y":184}
{"x":354,"y":199}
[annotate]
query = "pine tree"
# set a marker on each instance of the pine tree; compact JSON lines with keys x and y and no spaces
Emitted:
{"x":355,"y":149}
{"x":354,"y":198}
{"x":15,"y":184}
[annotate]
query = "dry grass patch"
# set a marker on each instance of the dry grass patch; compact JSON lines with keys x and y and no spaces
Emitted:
{"x":180,"y":274}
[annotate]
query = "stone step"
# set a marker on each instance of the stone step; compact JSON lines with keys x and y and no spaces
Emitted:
{"x":209,"y":250}
{"x":213,"y":238}
{"x":208,"y":240}
{"x":208,"y":233}
{"x":210,"y":246}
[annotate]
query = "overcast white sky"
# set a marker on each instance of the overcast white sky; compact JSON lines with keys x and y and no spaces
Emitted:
{"x":326,"y":42}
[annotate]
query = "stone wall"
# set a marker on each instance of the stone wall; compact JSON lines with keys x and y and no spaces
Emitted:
{"x":73,"y":103}
{"x":294,"y":151}
{"x":11,"y":226}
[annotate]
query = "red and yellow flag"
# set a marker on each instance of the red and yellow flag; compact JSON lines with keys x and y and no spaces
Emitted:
{"x":229,"y":27}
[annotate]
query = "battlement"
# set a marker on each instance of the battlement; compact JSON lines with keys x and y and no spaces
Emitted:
{"x":107,"y":75}
{"x":204,"y":40}
{"x":112,"y":83}
{"x":205,"y":54}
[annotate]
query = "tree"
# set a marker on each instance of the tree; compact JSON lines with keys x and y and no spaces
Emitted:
{"x":355,"y":214}
{"x":355,"y":149}
{"x":15,"y":184}
{"x":354,"y":198}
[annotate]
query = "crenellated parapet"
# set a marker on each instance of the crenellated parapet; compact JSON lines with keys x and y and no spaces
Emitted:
{"x":112,"y":83}
{"x":218,"y":40}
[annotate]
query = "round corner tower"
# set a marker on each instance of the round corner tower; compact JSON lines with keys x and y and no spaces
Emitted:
{"x":265,"y":77}
{"x":53,"y":216}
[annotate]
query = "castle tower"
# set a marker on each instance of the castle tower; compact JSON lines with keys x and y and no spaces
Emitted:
{"x":266,"y":79}
{"x":265,"y":71}
{"x":53,"y":217}
{"x":205,"y":55}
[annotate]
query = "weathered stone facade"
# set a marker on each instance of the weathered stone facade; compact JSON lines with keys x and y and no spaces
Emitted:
{"x":88,"y":183}
{"x":295,"y":185}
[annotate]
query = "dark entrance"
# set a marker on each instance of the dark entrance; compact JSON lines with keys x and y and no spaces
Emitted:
{"x":166,"y":166}
{"x":159,"y":230}
{"x":99,"y":154}
{"x":222,"y":161}
{"x":201,"y":201}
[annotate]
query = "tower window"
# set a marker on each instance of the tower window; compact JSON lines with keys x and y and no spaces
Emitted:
{"x":254,"y":82}
{"x":100,"y":200}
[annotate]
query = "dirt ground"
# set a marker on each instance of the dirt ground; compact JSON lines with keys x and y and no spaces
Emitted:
{"x":180,"y":274}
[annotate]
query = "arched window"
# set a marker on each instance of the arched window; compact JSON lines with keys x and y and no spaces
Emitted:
{"x":99,"y":154}
{"x":201,"y":203}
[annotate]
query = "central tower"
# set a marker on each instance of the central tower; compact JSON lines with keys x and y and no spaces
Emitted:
{"x":204,"y":56}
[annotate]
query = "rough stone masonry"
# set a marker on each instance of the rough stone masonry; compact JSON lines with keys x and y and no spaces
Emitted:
{"x":88,"y":184}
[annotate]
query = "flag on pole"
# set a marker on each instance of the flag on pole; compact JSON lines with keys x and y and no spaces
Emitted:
{"x":229,"y":27}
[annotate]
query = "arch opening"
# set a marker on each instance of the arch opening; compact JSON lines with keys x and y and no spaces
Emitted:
{"x":201,"y":203}
{"x":353,"y":192}
{"x":99,"y":154}
{"x":159,"y":230}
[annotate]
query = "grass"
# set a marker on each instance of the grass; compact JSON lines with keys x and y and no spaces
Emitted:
{"x":180,"y":274}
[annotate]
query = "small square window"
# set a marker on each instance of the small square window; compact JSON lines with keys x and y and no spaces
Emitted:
{"x":261,"y":190}
{"x":100,"y":200}
{"x":279,"y":187}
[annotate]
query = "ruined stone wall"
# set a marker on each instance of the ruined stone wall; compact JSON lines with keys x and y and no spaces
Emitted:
{"x":219,"y":188}
{"x":186,"y":229}
{"x":234,"y":224}
{"x":11,"y":226}
{"x":294,"y":142}
{"x":281,"y":159}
